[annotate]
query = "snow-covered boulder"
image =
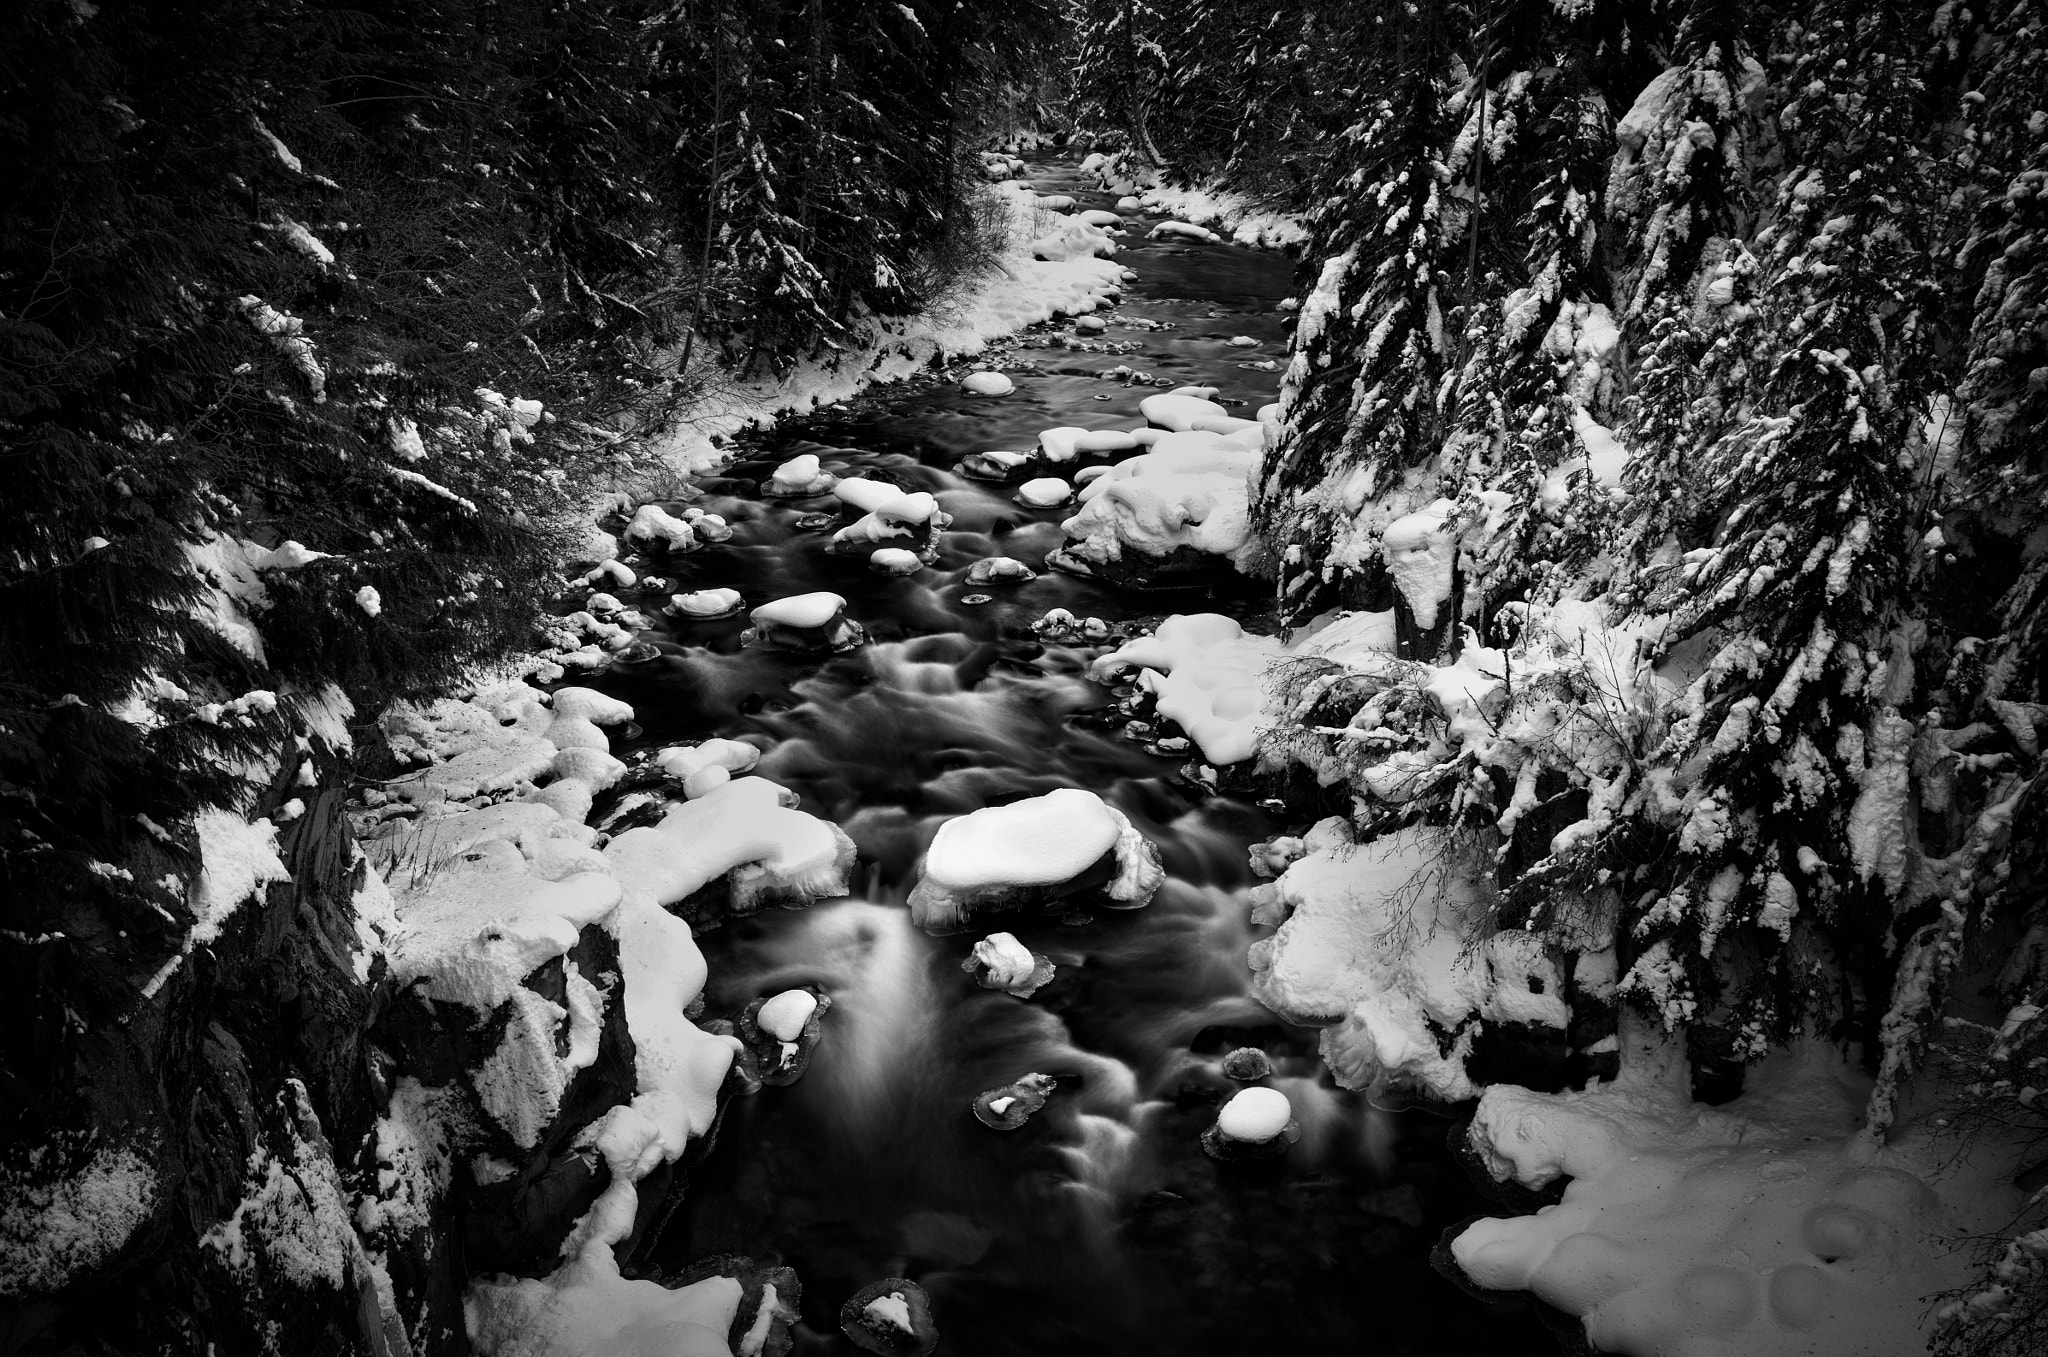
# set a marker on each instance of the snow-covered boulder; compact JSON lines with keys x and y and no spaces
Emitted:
{"x":910,"y":520}
{"x":1045,"y":492}
{"x":815,"y":621}
{"x":1256,"y":1123}
{"x":799,"y":476}
{"x":1181,"y":509}
{"x":1373,"y":942}
{"x":1031,"y":853}
{"x":891,"y":1318}
{"x":1000,"y":570}
{"x":736,"y":849}
{"x":780,"y":1032}
{"x":1207,"y":675}
{"x":987,"y":384}
{"x":704,"y":605}
{"x":1000,"y":961}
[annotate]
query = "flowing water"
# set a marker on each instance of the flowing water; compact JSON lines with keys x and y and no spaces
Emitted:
{"x":1100,"y":1227}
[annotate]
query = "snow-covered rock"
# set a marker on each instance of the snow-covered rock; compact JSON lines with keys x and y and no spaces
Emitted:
{"x":704,"y":605}
{"x":1032,"y":852}
{"x":799,"y":476}
{"x":1000,"y":961}
{"x":814,"y":621}
{"x":987,"y":384}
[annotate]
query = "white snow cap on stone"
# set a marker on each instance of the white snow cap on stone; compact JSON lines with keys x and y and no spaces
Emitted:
{"x":1045,"y":492}
{"x":1041,"y":841}
{"x":1255,"y":1115}
{"x":783,"y":1017}
{"x":799,"y":476}
{"x":800,"y":610}
{"x":705,"y":602}
{"x":988,"y":384}
{"x":1008,"y":961}
{"x":895,"y":561}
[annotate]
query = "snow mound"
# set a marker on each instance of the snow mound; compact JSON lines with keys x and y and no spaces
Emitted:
{"x":1372,"y":939}
{"x":1179,"y":411}
{"x":1206,"y":674}
{"x":799,"y":476}
{"x":1192,"y":492}
{"x":1046,"y":492}
{"x":987,"y":384}
{"x":1768,"y":1226}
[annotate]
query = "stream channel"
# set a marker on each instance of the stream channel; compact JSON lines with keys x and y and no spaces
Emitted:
{"x":1099,"y":1227}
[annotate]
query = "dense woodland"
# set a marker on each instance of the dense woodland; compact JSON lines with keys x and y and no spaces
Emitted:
{"x":1793,"y":257}
{"x":400,"y":282}
{"x":397,"y":281}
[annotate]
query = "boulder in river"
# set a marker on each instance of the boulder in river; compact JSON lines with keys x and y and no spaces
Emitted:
{"x":892,"y":1317}
{"x":1000,"y":961}
{"x":1032,"y":854}
{"x":815,"y":622}
{"x":1257,"y":1123}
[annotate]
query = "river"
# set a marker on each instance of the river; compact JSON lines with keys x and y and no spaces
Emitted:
{"x":1100,"y":1227}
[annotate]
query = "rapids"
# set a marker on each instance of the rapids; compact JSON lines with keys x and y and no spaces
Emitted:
{"x":1099,"y":1227}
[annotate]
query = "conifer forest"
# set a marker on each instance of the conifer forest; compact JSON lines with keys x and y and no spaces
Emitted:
{"x":718,"y":678}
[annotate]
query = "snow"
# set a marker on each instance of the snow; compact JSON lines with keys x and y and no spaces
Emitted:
{"x":1179,"y":412}
{"x":1043,"y":840}
{"x":1186,"y":231}
{"x":369,"y":600}
{"x":705,"y":603}
{"x":1374,"y":939}
{"x":56,"y":1227}
{"x":896,"y":561}
{"x":800,"y":610}
{"x":987,"y":384}
{"x":237,"y":858}
{"x":588,"y":1308}
{"x":1207,"y":675}
{"x":1192,"y":490}
{"x":798,"y":476}
{"x":892,"y":1310}
{"x":1255,"y":1115}
{"x":655,"y":526}
{"x":1605,"y":456}
{"x":1045,"y":492}
{"x":1008,"y":961}
{"x":1039,"y":842}
{"x":1770,"y":1225}
{"x":1421,"y":556}
{"x":783,"y":1016}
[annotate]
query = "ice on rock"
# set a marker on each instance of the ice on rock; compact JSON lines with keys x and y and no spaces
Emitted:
{"x":1047,"y":492}
{"x":799,"y":476}
{"x":895,"y":561}
{"x":1031,"y":852}
{"x":783,"y":1016}
{"x":705,"y":604}
{"x":988,"y":384}
{"x":1000,"y":961}
{"x":813,"y":621}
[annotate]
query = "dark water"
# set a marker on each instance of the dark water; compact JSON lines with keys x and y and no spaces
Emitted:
{"x":1100,"y":1227}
